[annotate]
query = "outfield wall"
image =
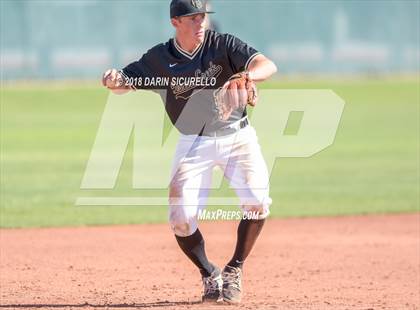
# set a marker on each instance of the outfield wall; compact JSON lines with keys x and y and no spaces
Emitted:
{"x":78,"y":39}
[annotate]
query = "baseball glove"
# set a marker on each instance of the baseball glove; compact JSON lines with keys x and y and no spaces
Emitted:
{"x":236,"y":93}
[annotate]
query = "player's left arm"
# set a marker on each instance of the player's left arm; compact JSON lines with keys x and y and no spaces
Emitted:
{"x":261,"y":68}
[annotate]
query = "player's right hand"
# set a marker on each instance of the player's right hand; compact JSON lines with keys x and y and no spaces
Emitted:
{"x":112,"y":79}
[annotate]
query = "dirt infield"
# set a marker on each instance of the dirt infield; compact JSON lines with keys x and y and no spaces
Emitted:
{"x":364,"y":263}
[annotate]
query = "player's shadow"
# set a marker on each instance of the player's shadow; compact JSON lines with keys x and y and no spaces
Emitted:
{"x":106,"y":306}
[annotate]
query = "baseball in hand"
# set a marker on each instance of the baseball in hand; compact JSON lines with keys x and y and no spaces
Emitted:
{"x":112,"y":79}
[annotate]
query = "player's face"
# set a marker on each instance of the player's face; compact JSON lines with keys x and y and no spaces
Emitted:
{"x":192,"y":27}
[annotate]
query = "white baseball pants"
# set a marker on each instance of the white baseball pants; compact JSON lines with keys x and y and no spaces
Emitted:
{"x":240,"y":158}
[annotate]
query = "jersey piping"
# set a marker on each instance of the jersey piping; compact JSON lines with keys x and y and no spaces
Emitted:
{"x":186,"y":53}
{"x":250,"y":59}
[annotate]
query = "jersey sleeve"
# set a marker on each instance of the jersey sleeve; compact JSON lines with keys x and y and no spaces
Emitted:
{"x":137,"y":71}
{"x":239,"y":53}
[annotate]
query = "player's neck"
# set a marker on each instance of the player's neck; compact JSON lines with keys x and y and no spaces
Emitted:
{"x":187,"y":44}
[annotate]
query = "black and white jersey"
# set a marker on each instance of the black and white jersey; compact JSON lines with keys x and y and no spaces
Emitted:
{"x":186,"y":81}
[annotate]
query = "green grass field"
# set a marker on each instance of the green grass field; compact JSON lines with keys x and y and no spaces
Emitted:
{"x":47,"y":133}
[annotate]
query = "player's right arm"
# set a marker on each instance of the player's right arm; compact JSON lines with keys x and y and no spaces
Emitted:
{"x":114,"y":80}
{"x":132,"y":76}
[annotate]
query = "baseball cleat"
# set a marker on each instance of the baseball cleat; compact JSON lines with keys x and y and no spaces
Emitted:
{"x":213,"y":286}
{"x":232,"y":284}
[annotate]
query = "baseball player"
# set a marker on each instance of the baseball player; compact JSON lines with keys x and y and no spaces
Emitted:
{"x":206,"y":79}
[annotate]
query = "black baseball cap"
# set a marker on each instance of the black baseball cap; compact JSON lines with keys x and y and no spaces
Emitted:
{"x":188,"y":7}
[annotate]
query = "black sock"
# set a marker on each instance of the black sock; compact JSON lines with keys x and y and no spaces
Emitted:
{"x":248,"y":231}
{"x":193,"y":247}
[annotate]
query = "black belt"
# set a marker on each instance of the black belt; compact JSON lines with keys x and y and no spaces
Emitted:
{"x":225,"y":131}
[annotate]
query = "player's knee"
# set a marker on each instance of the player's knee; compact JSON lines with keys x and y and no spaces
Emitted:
{"x":183,"y":221}
{"x":258,"y":211}
{"x":180,"y":229}
{"x":183,"y":229}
